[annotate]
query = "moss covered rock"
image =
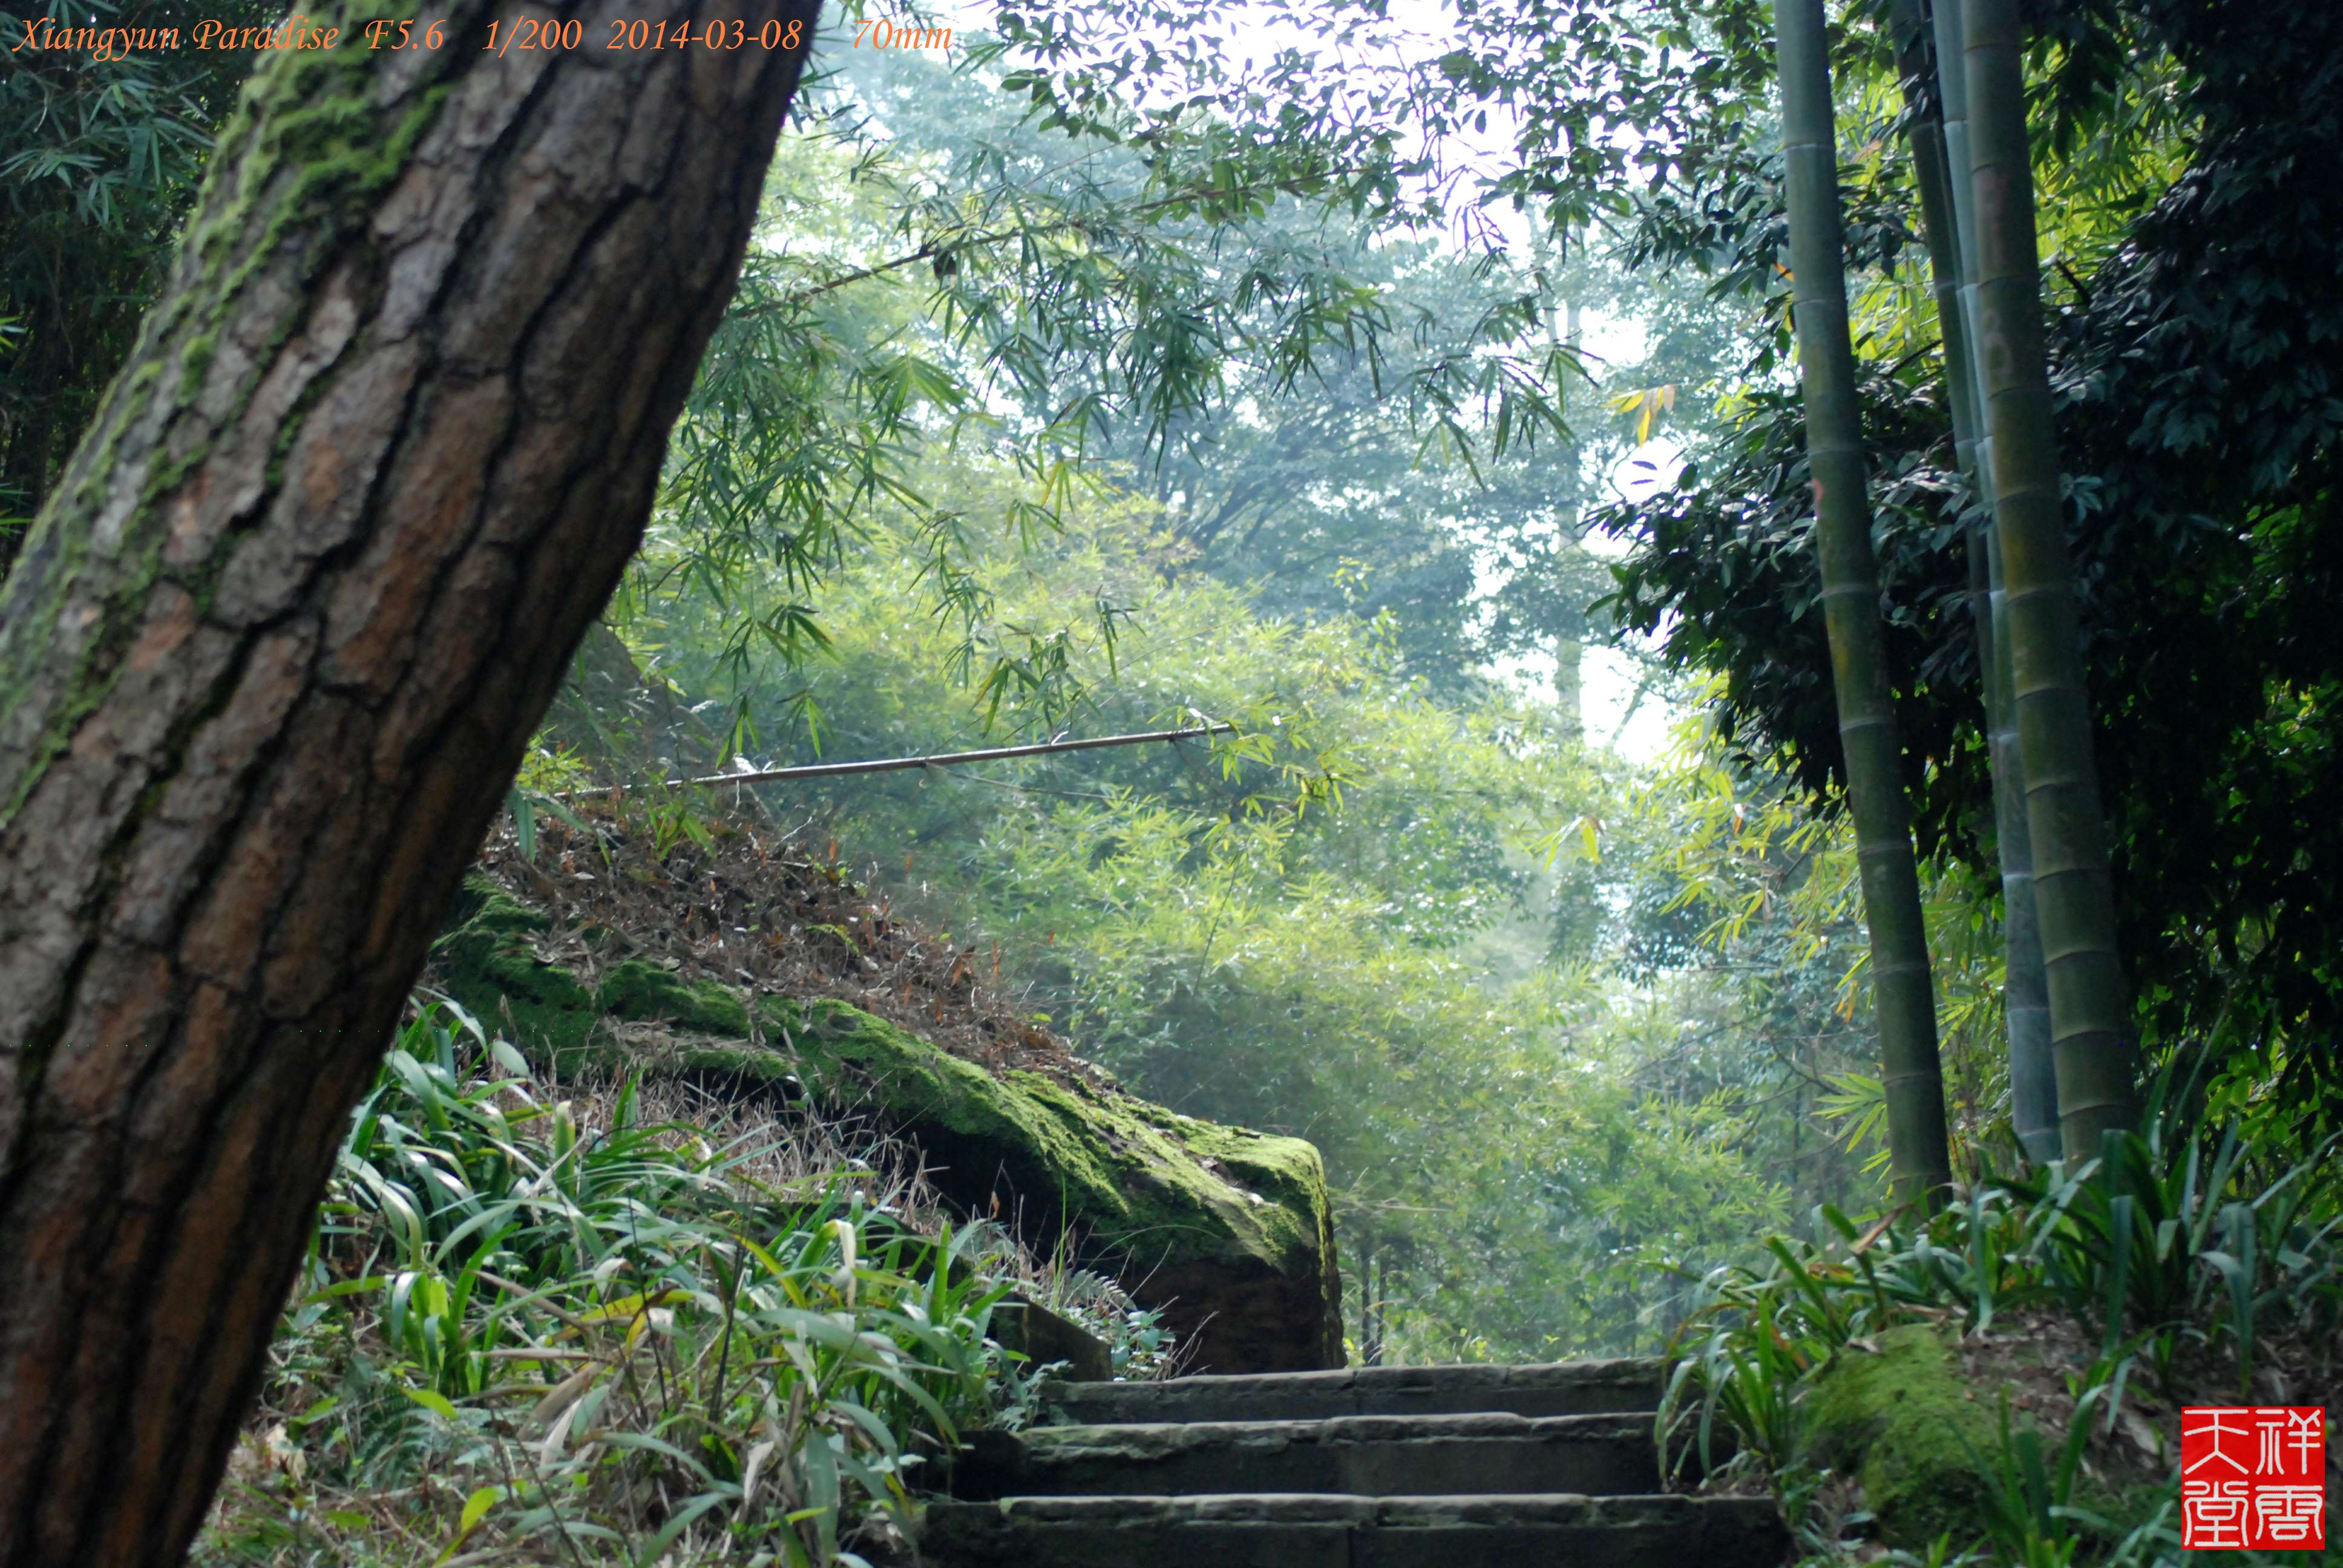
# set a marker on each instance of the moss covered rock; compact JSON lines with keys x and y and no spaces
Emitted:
{"x":1228,"y":1230}
{"x":1906,"y":1423}
{"x":485,"y":958}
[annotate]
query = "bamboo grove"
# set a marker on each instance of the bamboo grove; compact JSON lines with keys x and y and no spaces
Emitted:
{"x":1971,"y":153}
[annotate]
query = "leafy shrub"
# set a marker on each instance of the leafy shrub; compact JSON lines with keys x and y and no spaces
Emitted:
{"x":2184,"y":1253}
{"x":564,"y":1332}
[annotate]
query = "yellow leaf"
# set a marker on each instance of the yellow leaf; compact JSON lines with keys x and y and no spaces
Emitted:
{"x":476,"y":1507}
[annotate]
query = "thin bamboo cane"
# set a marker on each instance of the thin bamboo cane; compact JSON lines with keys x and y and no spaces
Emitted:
{"x":1903,"y":996}
{"x":935,"y":759}
{"x":2096,"y":1064}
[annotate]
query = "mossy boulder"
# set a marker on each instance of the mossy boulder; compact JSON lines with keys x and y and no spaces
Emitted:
{"x":1905,"y":1423}
{"x":1228,"y":1231}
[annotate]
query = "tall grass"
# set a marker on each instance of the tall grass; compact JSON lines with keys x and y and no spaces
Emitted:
{"x":533,"y":1330}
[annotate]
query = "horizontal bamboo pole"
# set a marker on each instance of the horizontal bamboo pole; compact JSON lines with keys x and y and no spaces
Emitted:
{"x":948,"y":758}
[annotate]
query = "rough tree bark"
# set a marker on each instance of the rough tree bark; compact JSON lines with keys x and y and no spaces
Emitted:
{"x":270,"y":656}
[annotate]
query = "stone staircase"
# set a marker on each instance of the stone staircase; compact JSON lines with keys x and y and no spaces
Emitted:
{"x":1384,"y":1467}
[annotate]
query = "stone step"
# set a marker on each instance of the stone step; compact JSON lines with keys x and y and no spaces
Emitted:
{"x":1366,"y":1455}
{"x":1305,"y":1531}
{"x":1566,"y":1388}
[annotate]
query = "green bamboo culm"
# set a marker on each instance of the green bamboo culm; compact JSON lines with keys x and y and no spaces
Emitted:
{"x":2096,"y":1062}
{"x":1940,"y":159}
{"x":2025,"y":983}
{"x":1926,"y":127}
{"x":1903,"y":994}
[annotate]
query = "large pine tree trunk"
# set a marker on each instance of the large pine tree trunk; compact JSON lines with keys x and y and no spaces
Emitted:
{"x":269,"y":657}
{"x":1903,"y":994}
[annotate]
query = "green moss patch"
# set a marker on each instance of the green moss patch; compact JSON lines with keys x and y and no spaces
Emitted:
{"x":1908,"y":1426}
{"x":486,"y":962}
{"x":1117,"y":1170}
{"x":646,"y":993}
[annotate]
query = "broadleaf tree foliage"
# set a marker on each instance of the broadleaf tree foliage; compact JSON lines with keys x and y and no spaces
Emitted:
{"x":1153,"y":292}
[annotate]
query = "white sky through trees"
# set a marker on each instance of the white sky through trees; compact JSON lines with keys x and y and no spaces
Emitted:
{"x":1619,"y":710}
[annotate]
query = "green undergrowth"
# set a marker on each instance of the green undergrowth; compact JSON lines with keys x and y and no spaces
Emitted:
{"x":2001,"y":1382}
{"x":544,"y":1324}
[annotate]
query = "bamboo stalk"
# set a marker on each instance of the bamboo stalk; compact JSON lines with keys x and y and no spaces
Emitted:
{"x":2096,"y":1062}
{"x":1903,"y":998}
{"x":1940,"y":157}
{"x":2025,"y":983}
{"x":1932,"y":167}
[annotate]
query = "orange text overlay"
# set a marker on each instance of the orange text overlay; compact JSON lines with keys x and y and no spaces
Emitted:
{"x":505,"y":35}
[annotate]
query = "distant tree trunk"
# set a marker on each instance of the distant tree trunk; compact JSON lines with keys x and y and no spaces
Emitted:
{"x":269,"y":657}
{"x":1940,"y":158}
{"x":1564,"y":337}
{"x":1903,"y":995}
{"x":1570,"y":686}
{"x":2073,"y":899}
{"x":1570,"y":647}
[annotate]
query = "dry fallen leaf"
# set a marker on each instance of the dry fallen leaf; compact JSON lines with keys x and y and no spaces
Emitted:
{"x":2143,"y":1435}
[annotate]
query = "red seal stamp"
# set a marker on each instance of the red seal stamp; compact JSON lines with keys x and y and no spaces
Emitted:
{"x":2253,"y":1478}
